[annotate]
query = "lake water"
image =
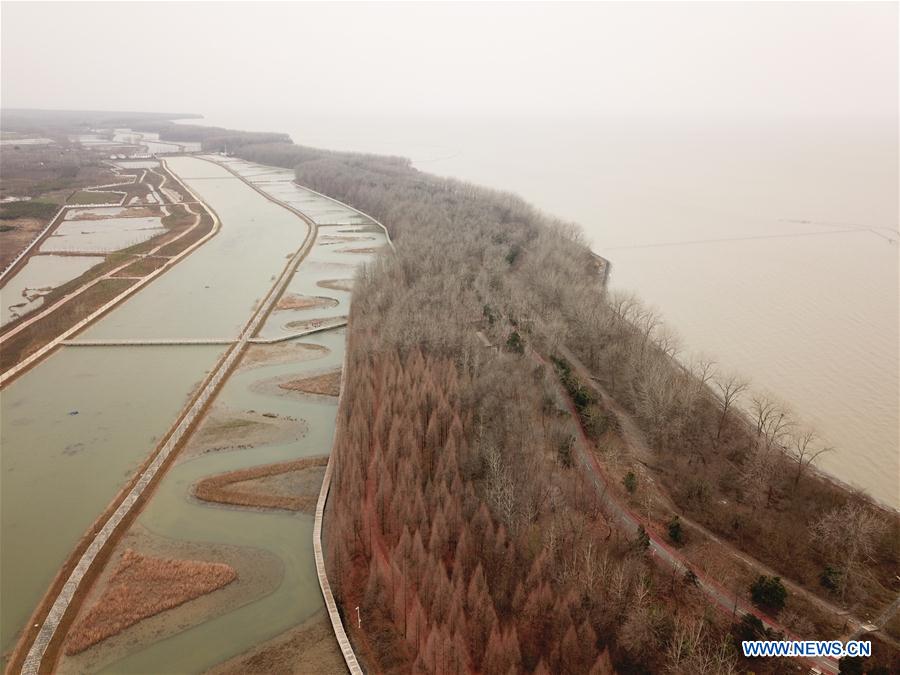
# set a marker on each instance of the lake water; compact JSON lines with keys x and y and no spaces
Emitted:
{"x":699,"y":217}
{"x":25,"y":291}
{"x":75,"y":428}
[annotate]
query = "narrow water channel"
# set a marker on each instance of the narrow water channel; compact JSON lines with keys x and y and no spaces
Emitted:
{"x":213,"y":292}
{"x":185,"y":523}
{"x":76,"y":427}
{"x":175,"y":514}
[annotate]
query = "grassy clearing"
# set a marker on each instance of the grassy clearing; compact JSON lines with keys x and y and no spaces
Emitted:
{"x":15,"y":235}
{"x":142,"y":267}
{"x":31,"y":209}
{"x":194,"y":236}
{"x":87,"y":198}
{"x":141,"y":587}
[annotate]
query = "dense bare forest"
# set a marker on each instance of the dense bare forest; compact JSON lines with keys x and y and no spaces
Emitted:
{"x":460,"y":524}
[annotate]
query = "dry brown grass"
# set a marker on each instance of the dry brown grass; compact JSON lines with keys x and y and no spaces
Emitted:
{"x":142,"y":267}
{"x":366,"y":249}
{"x":20,"y":233}
{"x":328,"y":384}
{"x":337,"y":284}
{"x":222,"y":489}
{"x":143,"y":586}
{"x":293,"y":301}
{"x":307,"y":324}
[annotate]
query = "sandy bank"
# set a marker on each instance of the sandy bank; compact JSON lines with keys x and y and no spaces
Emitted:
{"x":291,"y":486}
{"x":258,"y":573}
{"x":337,"y":284}
{"x":294,"y":301}
{"x":266,"y":355}
{"x":327,"y":384}
{"x":227,"y":429}
{"x":309,"y":647}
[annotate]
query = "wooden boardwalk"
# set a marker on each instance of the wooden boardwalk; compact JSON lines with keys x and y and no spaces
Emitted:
{"x":333,"y":613}
{"x":165,"y":342}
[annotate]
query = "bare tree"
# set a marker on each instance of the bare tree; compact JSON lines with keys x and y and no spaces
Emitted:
{"x":851,"y":533}
{"x":803,"y":450}
{"x":691,"y":651}
{"x":646,"y":322}
{"x":730,"y":387}
{"x":773,"y":421}
{"x":704,"y":370}
{"x":667,"y":341}
{"x":758,"y":476}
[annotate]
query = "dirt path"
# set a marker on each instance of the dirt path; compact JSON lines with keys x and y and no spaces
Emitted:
{"x":637,"y":445}
{"x":620,"y":513}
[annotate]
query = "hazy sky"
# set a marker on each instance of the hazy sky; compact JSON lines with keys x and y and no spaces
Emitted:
{"x":462,"y":59}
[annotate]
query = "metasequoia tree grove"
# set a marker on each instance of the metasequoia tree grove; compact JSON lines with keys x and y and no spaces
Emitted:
{"x":459,"y":523}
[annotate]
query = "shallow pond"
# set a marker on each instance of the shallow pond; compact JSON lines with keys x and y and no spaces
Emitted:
{"x":96,"y":212}
{"x":102,"y":236}
{"x":42,"y":273}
